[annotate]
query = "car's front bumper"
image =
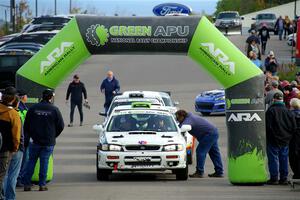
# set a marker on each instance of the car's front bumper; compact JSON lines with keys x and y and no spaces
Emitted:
{"x":141,"y":160}
{"x":209,"y":106}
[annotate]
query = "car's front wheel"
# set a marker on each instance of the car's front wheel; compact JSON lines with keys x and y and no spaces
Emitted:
{"x":182,"y":174}
{"x":102,"y":174}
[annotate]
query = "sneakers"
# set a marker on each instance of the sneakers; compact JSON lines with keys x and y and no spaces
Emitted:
{"x":70,"y":125}
{"x":43,"y":188}
{"x":283,"y":182}
{"x":216,"y":175}
{"x":196,"y":175}
{"x":27,"y":188}
{"x":272,"y":182}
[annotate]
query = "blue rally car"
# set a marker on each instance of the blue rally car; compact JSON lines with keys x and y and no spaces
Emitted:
{"x":212,"y":101}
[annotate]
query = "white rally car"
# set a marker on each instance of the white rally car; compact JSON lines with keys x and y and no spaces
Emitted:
{"x":141,"y":137}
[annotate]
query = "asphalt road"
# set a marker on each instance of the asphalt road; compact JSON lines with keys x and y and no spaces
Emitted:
{"x":75,"y":171}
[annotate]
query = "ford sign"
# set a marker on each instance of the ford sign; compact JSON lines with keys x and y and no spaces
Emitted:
{"x":171,"y":8}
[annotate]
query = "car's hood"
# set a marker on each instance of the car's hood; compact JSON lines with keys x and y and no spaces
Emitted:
{"x":143,"y":138}
{"x":212,"y":94}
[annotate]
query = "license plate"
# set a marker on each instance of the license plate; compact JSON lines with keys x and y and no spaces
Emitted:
{"x":142,"y":158}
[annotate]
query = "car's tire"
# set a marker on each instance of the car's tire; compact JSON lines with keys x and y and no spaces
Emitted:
{"x":205,"y":113}
{"x":182,"y":174}
{"x":189,"y":159}
{"x":102,"y":174}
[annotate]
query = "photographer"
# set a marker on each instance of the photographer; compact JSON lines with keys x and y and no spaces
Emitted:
{"x":271,"y":64}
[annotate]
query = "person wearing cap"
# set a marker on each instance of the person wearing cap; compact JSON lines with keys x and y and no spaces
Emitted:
{"x":289,"y":94}
{"x":43,"y":124}
{"x":280,"y":126}
{"x":10,"y":129}
{"x":271,"y":63}
{"x":253,"y":37}
{"x":264,"y":36}
{"x":110,"y":86}
{"x":207,"y":136}
{"x":270,"y":94}
{"x":10,"y":181}
{"x":22,"y":109}
{"x":294,"y":146}
{"x":279,"y":27}
{"x":77,"y":91}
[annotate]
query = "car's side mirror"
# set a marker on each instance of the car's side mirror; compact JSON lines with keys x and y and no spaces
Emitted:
{"x":103,"y":114}
{"x":98,"y":128}
{"x":176,"y":103}
{"x":185,"y":128}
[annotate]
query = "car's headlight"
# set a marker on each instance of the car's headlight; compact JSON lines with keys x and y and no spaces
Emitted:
{"x":220,"y":98}
{"x":173,"y":147}
{"x":109,"y":147}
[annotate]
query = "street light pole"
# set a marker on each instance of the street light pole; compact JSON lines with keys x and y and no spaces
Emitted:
{"x":55,"y":12}
{"x":36,"y":8}
{"x":70,"y":8}
{"x":13,"y":14}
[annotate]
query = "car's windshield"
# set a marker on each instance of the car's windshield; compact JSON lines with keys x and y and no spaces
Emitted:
{"x":13,"y":61}
{"x":266,"y":16}
{"x":142,"y":122}
{"x":168,"y":101}
{"x":126,"y":103}
{"x":50,"y":20}
{"x":227,"y":15}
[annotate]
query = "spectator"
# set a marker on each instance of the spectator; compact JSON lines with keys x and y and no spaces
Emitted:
{"x":287,"y":24}
{"x":264,"y":37}
{"x":255,"y":60}
{"x":294,"y":86}
{"x":207,"y":136}
{"x":289,"y":94}
{"x":270,"y":94}
{"x":110,"y":87}
{"x":283,"y":84}
{"x":279,"y":26}
{"x":10,"y":128}
{"x":297,"y":79}
{"x":76,"y":89}
{"x":22,"y":112}
{"x":280,"y":124}
{"x":294,"y":147}
{"x":271,"y":63}
{"x":254,"y":47}
{"x":39,"y":116}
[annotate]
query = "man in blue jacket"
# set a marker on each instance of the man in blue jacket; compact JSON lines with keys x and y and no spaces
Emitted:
{"x":43,"y":124}
{"x":110,"y":87}
{"x":207,"y":136}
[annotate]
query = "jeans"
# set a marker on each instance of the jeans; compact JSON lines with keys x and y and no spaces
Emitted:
{"x":10,"y":180}
{"x":280,"y":32}
{"x":263,"y":46}
{"x":278,"y":161}
{"x":208,"y":143}
{"x":79,"y":106}
{"x":35,"y":152}
{"x":23,"y":166}
{"x":4,"y":161}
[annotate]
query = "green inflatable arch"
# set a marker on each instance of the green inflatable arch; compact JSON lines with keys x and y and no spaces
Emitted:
{"x":84,"y":36}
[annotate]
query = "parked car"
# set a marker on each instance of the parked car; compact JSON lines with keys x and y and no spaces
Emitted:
{"x":141,"y":137}
{"x":10,"y":61}
{"x":5,"y":38}
{"x":267,"y":19}
{"x":212,"y":101}
{"x":34,"y":47}
{"x":41,"y":37}
{"x":291,"y":39}
{"x":229,"y":21}
{"x":46,"y":21}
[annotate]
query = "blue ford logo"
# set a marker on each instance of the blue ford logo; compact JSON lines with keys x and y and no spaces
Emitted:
{"x":171,"y":8}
